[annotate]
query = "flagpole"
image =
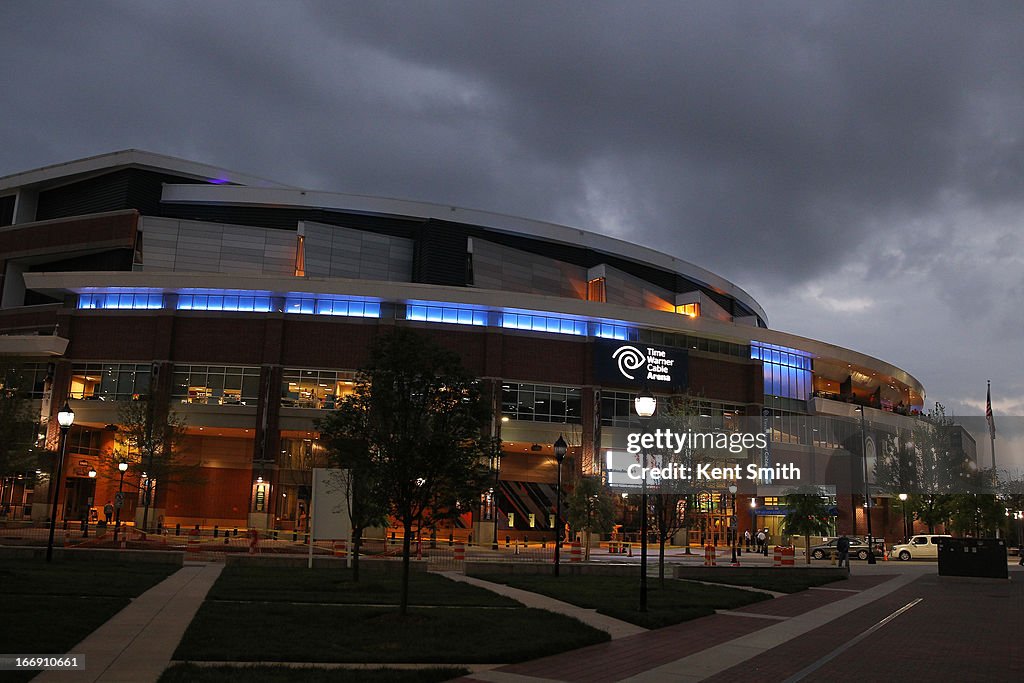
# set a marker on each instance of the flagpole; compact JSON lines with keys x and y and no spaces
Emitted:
{"x":991,"y":424}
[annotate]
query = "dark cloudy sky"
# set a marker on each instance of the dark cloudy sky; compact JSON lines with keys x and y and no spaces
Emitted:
{"x":858,"y":167}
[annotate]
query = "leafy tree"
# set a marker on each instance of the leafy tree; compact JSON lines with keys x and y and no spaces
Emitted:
{"x":151,"y":442}
{"x":590,"y":509}
{"x":17,"y":422}
{"x":360,"y":481}
{"x":423,"y":421}
{"x":807,"y":514}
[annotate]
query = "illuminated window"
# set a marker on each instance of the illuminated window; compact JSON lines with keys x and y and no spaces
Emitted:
{"x":216,"y":384}
{"x":445,"y":314}
{"x":322,"y":389}
{"x":542,"y":323}
{"x":596,"y":289}
{"x":608,"y":331}
{"x":223,"y":302}
{"x":691,"y":310}
{"x":787,"y":372}
{"x":130,"y":301}
{"x":324,"y":306}
{"x":109,"y":381}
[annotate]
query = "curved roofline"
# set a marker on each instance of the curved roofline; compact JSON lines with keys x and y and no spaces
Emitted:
{"x":553,"y":232}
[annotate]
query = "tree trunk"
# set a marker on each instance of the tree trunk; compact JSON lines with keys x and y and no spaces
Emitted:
{"x":807,"y":547}
{"x":403,"y":603}
{"x":357,"y":542}
{"x":686,"y":536}
{"x":661,"y":559}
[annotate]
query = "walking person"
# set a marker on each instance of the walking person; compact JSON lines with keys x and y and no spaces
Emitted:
{"x":767,"y":540}
{"x":762,"y":542}
{"x":746,"y":539}
{"x":843,"y":548}
{"x":108,"y":511}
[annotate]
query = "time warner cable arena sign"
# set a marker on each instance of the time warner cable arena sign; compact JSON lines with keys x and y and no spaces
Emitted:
{"x":632,"y":364}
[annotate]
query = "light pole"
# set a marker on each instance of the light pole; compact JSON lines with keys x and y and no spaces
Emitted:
{"x":732,"y":523}
{"x":906,"y":526}
{"x":560,"y":447}
{"x":645,"y":405}
{"x":65,"y":418}
{"x":753,"y":521}
{"x":867,"y":490}
{"x":119,"y":500}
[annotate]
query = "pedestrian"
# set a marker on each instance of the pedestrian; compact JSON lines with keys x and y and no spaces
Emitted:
{"x":108,"y":511}
{"x":746,"y":539}
{"x":767,"y":540}
{"x":762,"y":542}
{"x":843,"y":548}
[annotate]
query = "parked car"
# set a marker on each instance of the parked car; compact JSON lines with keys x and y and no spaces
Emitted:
{"x":920,"y":547}
{"x":858,"y":549}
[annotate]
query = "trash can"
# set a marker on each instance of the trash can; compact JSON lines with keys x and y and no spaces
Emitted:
{"x":977,"y":557}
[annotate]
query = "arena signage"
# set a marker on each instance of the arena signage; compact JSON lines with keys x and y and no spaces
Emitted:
{"x":635,"y":364}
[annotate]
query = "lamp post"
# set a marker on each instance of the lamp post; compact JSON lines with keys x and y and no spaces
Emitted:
{"x":119,"y":500}
{"x":560,"y":447}
{"x":867,"y":490}
{"x":645,"y":405}
{"x":733,"y":526}
{"x":65,"y":418}
{"x":906,"y":526}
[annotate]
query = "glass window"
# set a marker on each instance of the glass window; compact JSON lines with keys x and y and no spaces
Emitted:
{"x":109,"y":381}
{"x":541,"y":403}
{"x":311,"y":388}
{"x":446,"y":314}
{"x":121,"y":300}
{"x":27,"y":379}
{"x":311,"y":305}
{"x":216,"y":384}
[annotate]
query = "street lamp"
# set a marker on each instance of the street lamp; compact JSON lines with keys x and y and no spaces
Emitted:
{"x":560,"y":447}
{"x":119,"y":501}
{"x":65,"y":418}
{"x":732,"y":523}
{"x":645,"y":405}
{"x":906,"y":526}
{"x":867,"y":491}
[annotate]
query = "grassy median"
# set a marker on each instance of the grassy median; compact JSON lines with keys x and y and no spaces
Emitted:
{"x":619,"y":596}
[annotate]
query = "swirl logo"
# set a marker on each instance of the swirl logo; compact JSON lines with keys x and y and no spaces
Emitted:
{"x":629,"y":358}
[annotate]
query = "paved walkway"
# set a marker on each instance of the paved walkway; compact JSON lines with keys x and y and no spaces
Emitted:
{"x":616,"y":628}
{"x":136,"y":644}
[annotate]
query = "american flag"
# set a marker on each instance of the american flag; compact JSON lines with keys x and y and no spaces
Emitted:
{"x":988,"y":413}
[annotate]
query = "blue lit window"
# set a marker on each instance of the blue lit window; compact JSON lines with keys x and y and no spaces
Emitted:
{"x":543,"y":323}
{"x":445,"y":314}
{"x":223,"y":302}
{"x":326,"y":306}
{"x":787,"y":372}
{"x":126,"y":301}
{"x":607,"y":331}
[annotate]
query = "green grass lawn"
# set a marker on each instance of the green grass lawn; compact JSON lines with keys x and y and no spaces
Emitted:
{"x":190,"y":673}
{"x":781,"y":582}
{"x":348,"y":633}
{"x":321,"y":615}
{"x":335,"y":585}
{"x":49,"y":607}
{"x":619,"y":596}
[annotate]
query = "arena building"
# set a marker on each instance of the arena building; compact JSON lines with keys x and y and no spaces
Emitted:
{"x":246,"y":306}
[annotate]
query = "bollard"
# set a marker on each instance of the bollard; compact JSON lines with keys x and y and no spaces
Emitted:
{"x":339,"y":549}
{"x":225,"y":538}
{"x":833,"y":554}
{"x":710,"y":556}
{"x":85,"y":529}
{"x":295,"y":535}
{"x":459,"y":554}
{"x":777,"y":556}
{"x":507,"y":540}
{"x":192,"y":545}
{"x":236,"y":532}
{"x":65,"y":525}
{"x":451,"y":538}
{"x":216,"y":530}
{"x":177,"y":529}
{"x":433,"y":540}
{"x":275,"y":534}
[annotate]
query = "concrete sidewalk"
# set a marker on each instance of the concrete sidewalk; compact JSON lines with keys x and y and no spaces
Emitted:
{"x":136,"y":644}
{"x":616,"y":628}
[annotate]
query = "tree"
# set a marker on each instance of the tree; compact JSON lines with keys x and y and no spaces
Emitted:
{"x":152,"y":446}
{"x":590,"y":509}
{"x":423,"y":425}
{"x":17,"y":422}
{"x":360,"y":481}
{"x":807,"y":514}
